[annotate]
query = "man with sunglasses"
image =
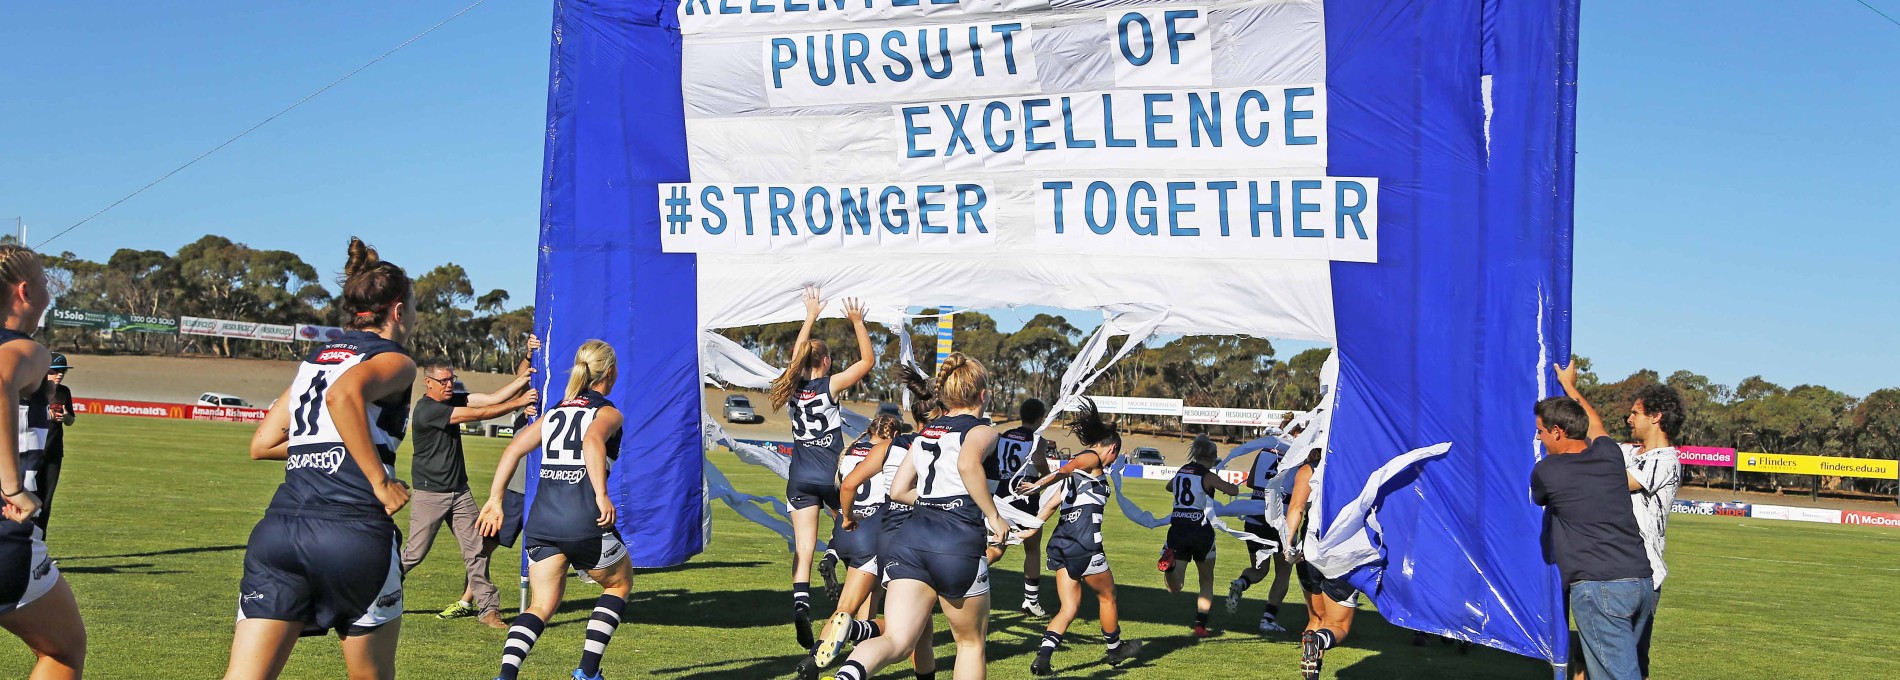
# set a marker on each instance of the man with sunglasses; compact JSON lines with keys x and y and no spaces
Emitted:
{"x":439,"y":479}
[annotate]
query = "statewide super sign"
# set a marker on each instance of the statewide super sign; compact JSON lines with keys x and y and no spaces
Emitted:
{"x":1081,"y":126}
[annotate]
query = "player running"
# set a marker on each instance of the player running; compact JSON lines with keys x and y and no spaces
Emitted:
{"x":809,"y":388}
{"x":1264,"y":548}
{"x":1018,"y":459}
{"x":326,"y":556}
{"x":1191,"y":529}
{"x":938,"y":554}
{"x":855,"y":540}
{"x":1330,"y":603}
{"x":572,"y":519}
{"x":1075,"y":547}
{"x":36,"y":603}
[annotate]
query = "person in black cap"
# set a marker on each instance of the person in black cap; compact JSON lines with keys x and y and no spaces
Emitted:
{"x":59,"y":411}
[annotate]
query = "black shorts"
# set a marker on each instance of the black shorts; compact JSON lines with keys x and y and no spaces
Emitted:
{"x":1337,"y":590}
{"x":26,"y":572}
{"x":890,"y":519}
{"x":858,"y":548}
{"x":585,"y":554}
{"x":342,"y":575}
{"x":1191,"y":542}
{"x":952,"y":576}
{"x":1077,"y":563}
{"x":1262,"y":551}
{"x":511,"y":506}
{"x":801,"y":494}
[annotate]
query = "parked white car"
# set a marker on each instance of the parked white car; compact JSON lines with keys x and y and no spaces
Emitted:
{"x":222,"y":399}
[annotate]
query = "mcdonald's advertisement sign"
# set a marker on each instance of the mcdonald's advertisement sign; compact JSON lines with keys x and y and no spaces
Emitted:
{"x":119,"y":407}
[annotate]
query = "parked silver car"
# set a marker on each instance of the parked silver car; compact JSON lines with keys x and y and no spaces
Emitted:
{"x":739,"y":410}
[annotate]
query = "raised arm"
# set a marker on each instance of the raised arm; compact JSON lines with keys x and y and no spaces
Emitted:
{"x":867,"y":355}
{"x":1567,"y":376}
{"x":1078,"y":462}
{"x":271,"y":441}
{"x":473,"y":413}
{"x":377,"y":378}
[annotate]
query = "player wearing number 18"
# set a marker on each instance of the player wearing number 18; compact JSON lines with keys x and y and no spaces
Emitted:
{"x":572,"y":519}
{"x":326,"y":555}
{"x":808,"y":389}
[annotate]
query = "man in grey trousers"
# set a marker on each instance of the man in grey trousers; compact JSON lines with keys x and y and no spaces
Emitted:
{"x":439,"y":480}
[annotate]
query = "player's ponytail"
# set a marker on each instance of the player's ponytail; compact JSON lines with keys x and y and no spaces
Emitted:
{"x":805,"y":358}
{"x":18,"y":264}
{"x":371,"y":288}
{"x":961,"y":381}
{"x":592,"y":362}
{"x":1091,"y":429}
{"x":1203,"y":451}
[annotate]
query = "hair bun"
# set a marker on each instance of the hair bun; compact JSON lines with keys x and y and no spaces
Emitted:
{"x":361,"y":258}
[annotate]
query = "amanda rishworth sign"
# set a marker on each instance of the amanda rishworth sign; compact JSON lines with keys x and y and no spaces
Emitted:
{"x":1177,"y":129}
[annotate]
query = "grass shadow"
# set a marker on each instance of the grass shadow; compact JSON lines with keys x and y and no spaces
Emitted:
{"x":155,"y":553}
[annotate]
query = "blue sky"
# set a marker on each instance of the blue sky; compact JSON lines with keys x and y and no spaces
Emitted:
{"x":1735,"y":214}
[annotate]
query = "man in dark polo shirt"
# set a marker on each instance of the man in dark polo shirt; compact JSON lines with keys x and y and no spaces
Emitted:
{"x":1590,"y":531}
{"x":439,"y":480}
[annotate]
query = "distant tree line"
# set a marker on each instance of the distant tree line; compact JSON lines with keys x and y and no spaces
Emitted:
{"x":219,"y":278}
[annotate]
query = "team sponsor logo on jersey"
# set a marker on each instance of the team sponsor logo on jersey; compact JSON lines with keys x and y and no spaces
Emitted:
{"x":934,"y":432}
{"x":568,"y":476}
{"x":1072,"y":516}
{"x":861,"y":449}
{"x":1190,"y":515}
{"x":581,"y":401}
{"x":952,"y":505}
{"x":335,"y":355}
{"x":327,"y":461}
{"x":820,"y":442}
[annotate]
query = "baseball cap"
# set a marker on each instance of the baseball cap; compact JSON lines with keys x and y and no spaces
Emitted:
{"x":59,"y":363}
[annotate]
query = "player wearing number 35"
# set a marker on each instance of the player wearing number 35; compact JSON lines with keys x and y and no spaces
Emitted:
{"x":572,"y":520}
{"x":809,"y":389}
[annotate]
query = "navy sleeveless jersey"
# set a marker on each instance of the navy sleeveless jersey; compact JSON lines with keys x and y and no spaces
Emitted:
{"x":1081,"y":520}
{"x":1012,"y":458}
{"x":33,"y":427}
{"x":564,"y":507}
{"x":817,"y":432}
{"x":1189,"y":489}
{"x":869,"y":496}
{"x":320,"y":477}
{"x":946,"y":520}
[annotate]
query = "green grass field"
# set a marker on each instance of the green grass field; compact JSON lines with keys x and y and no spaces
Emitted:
{"x":153,"y":515}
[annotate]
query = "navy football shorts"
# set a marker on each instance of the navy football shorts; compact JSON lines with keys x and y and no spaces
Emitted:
{"x":803,"y":495}
{"x":330,"y":574}
{"x":1078,"y":564}
{"x":26,"y":573}
{"x":1191,"y":543}
{"x":1262,"y":551}
{"x":587,"y":554}
{"x":858,"y":548}
{"x":952,"y":576}
{"x":1337,"y":590}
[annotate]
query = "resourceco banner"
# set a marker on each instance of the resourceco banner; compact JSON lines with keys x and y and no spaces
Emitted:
{"x":1392,"y":178}
{"x":222,"y":328}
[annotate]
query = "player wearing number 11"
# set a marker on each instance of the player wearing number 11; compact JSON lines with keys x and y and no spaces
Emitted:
{"x":809,"y":390}
{"x":572,"y":520}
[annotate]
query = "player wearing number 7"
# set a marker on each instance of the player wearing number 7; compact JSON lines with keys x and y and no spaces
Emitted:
{"x":572,"y":519}
{"x":809,"y":388}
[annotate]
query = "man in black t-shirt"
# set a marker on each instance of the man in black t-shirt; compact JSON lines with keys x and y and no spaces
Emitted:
{"x":59,"y":405}
{"x":1590,"y":531}
{"x":439,"y":480}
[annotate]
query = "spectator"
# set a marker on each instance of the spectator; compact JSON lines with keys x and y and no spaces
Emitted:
{"x":1591,"y":531}
{"x":439,"y":477}
{"x":59,"y":402}
{"x":1655,"y":472}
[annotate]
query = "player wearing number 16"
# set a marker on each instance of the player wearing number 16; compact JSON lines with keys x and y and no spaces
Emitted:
{"x":808,"y":389}
{"x":572,"y":519}
{"x":326,"y":555}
